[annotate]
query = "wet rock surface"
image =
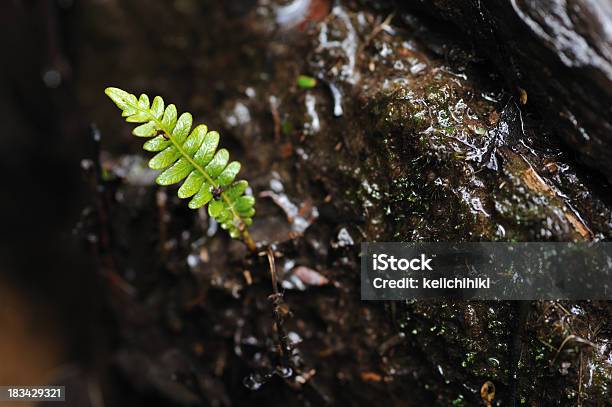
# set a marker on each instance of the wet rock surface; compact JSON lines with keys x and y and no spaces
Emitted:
{"x":395,"y":142}
{"x":558,"y":52}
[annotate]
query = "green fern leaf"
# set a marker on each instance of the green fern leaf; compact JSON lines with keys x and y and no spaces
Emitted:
{"x":190,"y":156}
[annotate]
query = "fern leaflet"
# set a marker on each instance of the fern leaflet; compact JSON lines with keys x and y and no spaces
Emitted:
{"x":191,"y":155}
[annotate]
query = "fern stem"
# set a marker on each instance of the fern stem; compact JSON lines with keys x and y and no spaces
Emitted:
{"x":246,"y":237}
{"x":248,"y":241}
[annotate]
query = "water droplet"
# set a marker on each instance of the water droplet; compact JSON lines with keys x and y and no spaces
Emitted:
{"x":294,"y":338}
{"x":284,"y":371}
{"x":254,"y":381}
{"x":192,"y":260}
{"x":52,"y":78}
{"x":87,"y":165}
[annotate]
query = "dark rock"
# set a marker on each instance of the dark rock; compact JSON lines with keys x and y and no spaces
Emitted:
{"x":559,"y":52}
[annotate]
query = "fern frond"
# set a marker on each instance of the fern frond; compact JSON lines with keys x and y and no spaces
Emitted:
{"x":191,"y":155}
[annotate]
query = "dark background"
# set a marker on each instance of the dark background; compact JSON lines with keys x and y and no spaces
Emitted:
{"x":46,"y":278}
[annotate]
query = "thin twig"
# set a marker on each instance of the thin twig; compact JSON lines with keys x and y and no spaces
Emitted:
{"x":563,"y":308}
{"x":375,"y":31}
{"x":281,"y":310}
{"x":569,"y":338}
{"x":272,"y":265}
{"x":276,"y":119}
